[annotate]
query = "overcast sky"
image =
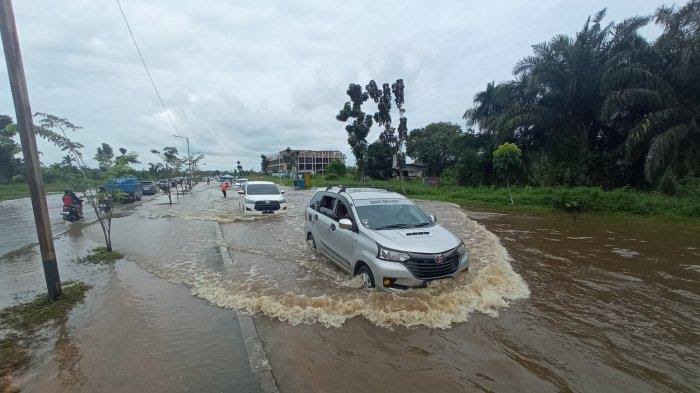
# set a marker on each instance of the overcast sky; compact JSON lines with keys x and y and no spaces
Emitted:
{"x":244,"y":78}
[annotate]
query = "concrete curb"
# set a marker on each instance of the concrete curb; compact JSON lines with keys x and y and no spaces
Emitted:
{"x":257,"y":358}
{"x":259,"y":364}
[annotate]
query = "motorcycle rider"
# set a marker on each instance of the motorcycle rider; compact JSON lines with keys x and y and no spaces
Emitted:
{"x":73,"y":205}
{"x":67,"y":199}
{"x":78,"y":203}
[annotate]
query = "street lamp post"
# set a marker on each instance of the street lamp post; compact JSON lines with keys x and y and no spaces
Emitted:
{"x":189,"y":160}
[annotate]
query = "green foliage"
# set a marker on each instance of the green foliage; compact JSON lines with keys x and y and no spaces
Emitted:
{"x":104,"y":156}
{"x":684,"y":206}
{"x":471,"y":168}
{"x":336,"y":168}
{"x":101,"y":255}
{"x":379,"y":159}
{"x":507,"y":159}
{"x":35,"y":314}
{"x":361,"y":123}
{"x":436,"y":145}
{"x":604,"y":107}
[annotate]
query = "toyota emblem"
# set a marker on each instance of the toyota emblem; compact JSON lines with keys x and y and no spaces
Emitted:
{"x":439,"y":258}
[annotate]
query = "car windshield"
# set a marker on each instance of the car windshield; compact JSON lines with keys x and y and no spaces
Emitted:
{"x":392,"y":216}
{"x":262,"y":189}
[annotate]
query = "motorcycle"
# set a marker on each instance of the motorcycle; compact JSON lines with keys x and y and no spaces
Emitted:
{"x":71,"y":214}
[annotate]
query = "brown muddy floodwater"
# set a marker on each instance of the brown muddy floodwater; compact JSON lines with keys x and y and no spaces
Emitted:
{"x":548,"y":304}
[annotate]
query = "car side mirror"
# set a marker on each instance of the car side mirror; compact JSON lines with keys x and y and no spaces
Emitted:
{"x":241,"y":192}
{"x":282,"y":192}
{"x":344,"y":223}
{"x":432,"y":218}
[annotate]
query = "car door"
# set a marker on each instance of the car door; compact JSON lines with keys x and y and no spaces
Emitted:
{"x":324,"y":221}
{"x":312,"y":212}
{"x":342,"y":241}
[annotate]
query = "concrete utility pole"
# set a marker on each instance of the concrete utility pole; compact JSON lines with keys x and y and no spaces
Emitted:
{"x":20,"y":96}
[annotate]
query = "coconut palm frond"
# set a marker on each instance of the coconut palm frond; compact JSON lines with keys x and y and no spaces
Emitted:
{"x":662,"y":147}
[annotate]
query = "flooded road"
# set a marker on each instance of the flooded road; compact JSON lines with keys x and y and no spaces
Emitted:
{"x":134,"y":332}
{"x":548,"y":304}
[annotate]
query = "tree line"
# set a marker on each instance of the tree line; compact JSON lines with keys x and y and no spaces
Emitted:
{"x":109,"y":164}
{"x":604,"y":107}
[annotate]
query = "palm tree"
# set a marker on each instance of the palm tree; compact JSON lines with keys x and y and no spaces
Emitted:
{"x":656,"y":92}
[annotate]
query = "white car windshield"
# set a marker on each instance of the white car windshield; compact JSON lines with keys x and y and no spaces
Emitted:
{"x":262,"y":189}
{"x":392,"y":216}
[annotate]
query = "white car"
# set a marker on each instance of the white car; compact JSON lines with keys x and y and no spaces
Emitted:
{"x":238,"y":184}
{"x":262,"y":197}
{"x":383,"y":237}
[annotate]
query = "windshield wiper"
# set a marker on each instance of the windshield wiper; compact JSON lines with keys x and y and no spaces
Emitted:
{"x":394,"y":226}
{"x":422,"y":224}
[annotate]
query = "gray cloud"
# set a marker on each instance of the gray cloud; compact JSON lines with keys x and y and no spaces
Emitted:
{"x":250,"y":78}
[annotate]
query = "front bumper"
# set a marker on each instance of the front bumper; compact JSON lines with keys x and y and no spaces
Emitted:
{"x":401,"y":276}
{"x":250,"y":208}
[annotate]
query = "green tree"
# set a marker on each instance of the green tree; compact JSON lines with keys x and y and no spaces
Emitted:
{"x":336,"y":168}
{"x":402,"y":130}
{"x":104,"y":156}
{"x":122,"y":164}
{"x":10,"y":165}
{"x":554,"y":108}
{"x":653,"y":93}
{"x":507,"y":161}
{"x":359,"y":128}
{"x":379,"y":160}
{"x":436,"y":145}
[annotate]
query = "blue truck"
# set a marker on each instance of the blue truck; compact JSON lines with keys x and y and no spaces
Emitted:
{"x":127,"y":184}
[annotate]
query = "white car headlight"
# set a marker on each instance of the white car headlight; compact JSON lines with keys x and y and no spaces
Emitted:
{"x":461,"y":249}
{"x":283,"y":200}
{"x":249,"y":201}
{"x":392,"y":255}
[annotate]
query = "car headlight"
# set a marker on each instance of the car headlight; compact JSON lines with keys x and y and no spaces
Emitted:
{"x":249,"y":201}
{"x":283,"y":200}
{"x":461,"y":249}
{"x":392,"y":255}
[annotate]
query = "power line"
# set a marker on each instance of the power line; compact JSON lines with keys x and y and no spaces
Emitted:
{"x":160,"y":99}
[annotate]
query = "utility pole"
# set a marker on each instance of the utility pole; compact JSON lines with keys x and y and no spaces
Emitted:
{"x":23,"y":111}
{"x":189,"y":160}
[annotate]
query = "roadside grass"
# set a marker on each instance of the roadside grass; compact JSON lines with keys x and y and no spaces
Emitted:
{"x":20,"y":251}
{"x":574,"y":200}
{"x":27,"y":318}
{"x":100,"y":255}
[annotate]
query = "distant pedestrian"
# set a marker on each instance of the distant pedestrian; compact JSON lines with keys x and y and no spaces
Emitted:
{"x":224,"y":187}
{"x":207,"y":181}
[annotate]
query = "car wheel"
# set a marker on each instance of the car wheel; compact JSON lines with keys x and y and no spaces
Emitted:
{"x":367,"y":276}
{"x":312,"y":240}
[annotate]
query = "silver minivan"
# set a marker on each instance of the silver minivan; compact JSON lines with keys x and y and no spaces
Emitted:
{"x":382,"y":236}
